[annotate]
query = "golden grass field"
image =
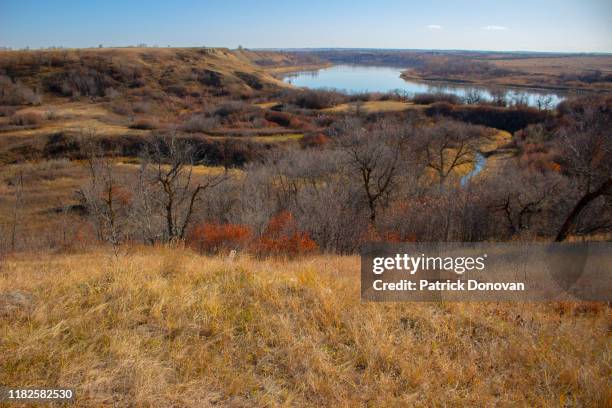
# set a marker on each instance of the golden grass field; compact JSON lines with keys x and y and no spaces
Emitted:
{"x":556,"y":65}
{"x":535,"y":72}
{"x":165,"y":327}
{"x":374,"y":107}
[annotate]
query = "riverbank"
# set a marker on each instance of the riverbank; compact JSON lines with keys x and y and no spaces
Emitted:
{"x":518,"y":84}
{"x":282,"y":72}
{"x":359,"y":79}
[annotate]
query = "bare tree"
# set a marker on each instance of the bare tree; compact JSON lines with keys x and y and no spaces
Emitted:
{"x":585,"y":145}
{"x":473,"y":96}
{"x":544,"y":102}
{"x":375,"y":156}
{"x":449,"y":145}
{"x":17,"y":205}
{"x":168,"y":168}
{"x":105,"y":196}
{"x":522,"y":196}
{"x":500,"y":96}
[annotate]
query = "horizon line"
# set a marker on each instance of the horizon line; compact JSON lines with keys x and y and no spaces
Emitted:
{"x":290,"y":49}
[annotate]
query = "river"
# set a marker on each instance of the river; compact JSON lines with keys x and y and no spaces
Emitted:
{"x":359,"y":78}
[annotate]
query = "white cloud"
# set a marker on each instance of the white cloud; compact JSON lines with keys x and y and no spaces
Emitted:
{"x":434,"y":27}
{"x":494,"y":28}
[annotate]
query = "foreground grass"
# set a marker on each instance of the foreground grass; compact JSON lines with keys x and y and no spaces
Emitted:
{"x":165,"y":327}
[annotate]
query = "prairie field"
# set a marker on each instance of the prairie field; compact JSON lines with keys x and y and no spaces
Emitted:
{"x":180,"y":226}
{"x":163,"y":326}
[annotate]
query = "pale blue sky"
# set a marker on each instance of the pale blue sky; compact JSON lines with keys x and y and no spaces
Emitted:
{"x":530,"y":25}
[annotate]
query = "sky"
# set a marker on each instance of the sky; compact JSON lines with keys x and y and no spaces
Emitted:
{"x":504,"y":25}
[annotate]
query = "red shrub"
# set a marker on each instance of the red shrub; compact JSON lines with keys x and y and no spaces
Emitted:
{"x":298,"y":123}
{"x":280,"y":118}
{"x":282,"y":237}
{"x":215,"y":238}
{"x":314,"y":140}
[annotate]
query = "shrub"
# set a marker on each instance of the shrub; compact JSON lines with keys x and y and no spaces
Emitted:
{"x":111,"y":93}
{"x":80,"y":81}
{"x":216,"y":238}
{"x":210,"y":78}
{"x":141,"y":107}
{"x":280,"y":118}
{"x":27,"y":119}
{"x":7,"y":111}
{"x":429,"y":98}
{"x":317,"y":99}
{"x":510,"y":119}
{"x":145,"y":124}
{"x":298,"y":123}
{"x":314,"y":140}
{"x":178,"y":90}
{"x":231,"y":108}
{"x":281,"y":237}
{"x":120,"y":107}
{"x":250,"y":80}
{"x":200,"y":123}
{"x":16,"y":93}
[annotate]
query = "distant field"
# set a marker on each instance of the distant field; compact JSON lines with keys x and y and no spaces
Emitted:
{"x":556,"y":65}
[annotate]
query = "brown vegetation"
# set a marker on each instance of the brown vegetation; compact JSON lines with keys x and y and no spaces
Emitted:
{"x":165,"y":327}
{"x":115,"y":160}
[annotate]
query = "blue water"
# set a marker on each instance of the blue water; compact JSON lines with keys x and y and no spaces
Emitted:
{"x":358,"y":78}
{"x":479,"y":164}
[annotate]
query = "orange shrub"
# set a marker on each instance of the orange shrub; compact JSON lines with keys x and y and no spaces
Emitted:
{"x":281,"y":237}
{"x":314,"y":140}
{"x":215,"y":238}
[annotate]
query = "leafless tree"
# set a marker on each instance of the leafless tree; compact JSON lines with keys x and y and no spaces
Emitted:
{"x":544,"y":102}
{"x":374,"y":154}
{"x":585,"y":146}
{"x":473,"y":96}
{"x":447,"y":146}
{"x":500,"y":96}
{"x":522,"y":196}
{"x":17,"y":205}
{"x":167,"y":167}
{"x":105,"y":196}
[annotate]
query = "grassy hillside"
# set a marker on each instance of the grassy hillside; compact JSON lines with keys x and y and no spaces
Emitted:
{"x":124,"y":94}
{"x":157,"y":68}
{"x":165,"y":327}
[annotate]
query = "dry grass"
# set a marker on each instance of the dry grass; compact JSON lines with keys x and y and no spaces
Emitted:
{"x":48,"y":187}
{"x":165,"y":327}
{"x":283,"y":137}
{"x":132,"y":165}
{"x":266,"y":105}
{"x":556,"y":65}
{"x":374,"y":107}
{"x":536,"y":72}
{"x":73,"y":117}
